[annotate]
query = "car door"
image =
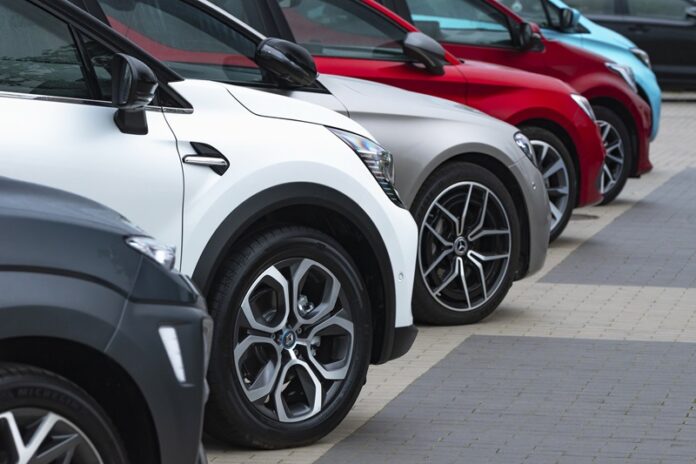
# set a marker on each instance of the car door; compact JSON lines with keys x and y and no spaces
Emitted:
{"x":666,"y":32}
{"x":475,"y":30}
{"x":348,"y":38}
{"x":58,"y":124}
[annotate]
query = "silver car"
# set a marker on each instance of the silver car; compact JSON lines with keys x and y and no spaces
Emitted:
{"x":468,"y":178}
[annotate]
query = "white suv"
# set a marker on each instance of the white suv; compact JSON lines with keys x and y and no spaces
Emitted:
{"x":307,"y":261}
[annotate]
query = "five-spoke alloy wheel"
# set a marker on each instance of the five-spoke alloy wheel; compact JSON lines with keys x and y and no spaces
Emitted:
{"x":292,"y":340}
{"x":468,"y":245}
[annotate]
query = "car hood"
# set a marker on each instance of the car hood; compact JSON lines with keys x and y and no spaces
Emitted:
{"x":503,"y":76}
{"x":27,"y":200}
{"x":270,"y":105}
{"x":599,"y":33}
{"x":360,"y":96}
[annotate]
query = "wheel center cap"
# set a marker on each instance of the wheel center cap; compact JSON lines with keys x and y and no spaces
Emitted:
{"x":460,"y":246}
{"x":288,"y":339}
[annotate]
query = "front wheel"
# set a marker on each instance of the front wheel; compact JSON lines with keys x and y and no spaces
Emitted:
{"x":468,"y":246}
{"x":292,"y":341}
{"x":558,"y":170}
{"x":45,"y":418}
{"x":618,"y":162}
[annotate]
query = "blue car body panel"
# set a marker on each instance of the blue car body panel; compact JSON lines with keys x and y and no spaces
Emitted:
{"x":615,"y":47}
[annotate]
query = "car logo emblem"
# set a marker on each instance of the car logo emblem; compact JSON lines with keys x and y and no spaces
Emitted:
{"x":460,"y":246}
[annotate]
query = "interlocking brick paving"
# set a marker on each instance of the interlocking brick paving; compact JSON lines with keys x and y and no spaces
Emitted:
{"x":651,"y":244}
{"x":537,"y":400}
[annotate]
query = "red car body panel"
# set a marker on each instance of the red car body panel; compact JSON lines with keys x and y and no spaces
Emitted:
{"x":511,"y":95}
{"x":584,"y":71}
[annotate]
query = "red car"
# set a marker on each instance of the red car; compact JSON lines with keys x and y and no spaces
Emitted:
{"x":488,"y":30}
{"x":363,"y":39}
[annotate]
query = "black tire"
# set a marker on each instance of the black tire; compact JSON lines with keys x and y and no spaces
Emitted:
{"x":605,"y":115}
{"x":27,"y":391}
{"x":545,"y":136}
{"x":231,"y":416}
{"x":453,"y":179}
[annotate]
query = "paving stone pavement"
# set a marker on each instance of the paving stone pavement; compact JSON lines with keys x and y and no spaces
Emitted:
{"x":599,"y":311}
{"x":652,"y":244}
{"x":526,"y":399}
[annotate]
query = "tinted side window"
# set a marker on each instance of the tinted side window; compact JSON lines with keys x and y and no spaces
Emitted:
{"x":190,"y":41}
{"x":589,"y":7}
{"x":342,"y":28}
{"x":38,"y":54}
{"x":530,"y":10}
{"x":461,"y":21}
{"x":663,"y":9}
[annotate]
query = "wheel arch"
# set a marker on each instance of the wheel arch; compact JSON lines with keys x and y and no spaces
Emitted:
{"x":325,"y":209}
{"x":97,"y":374}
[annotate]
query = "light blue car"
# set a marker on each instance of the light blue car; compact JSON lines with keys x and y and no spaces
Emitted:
{"x":601,"y":41}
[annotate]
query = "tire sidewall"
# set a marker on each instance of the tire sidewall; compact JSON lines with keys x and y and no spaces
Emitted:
{"x":224,"y":382}
{"x":22,"y":387}
{"x":425,"y":308}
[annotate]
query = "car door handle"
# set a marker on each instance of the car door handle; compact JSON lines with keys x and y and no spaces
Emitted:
{"x":207,"y":156}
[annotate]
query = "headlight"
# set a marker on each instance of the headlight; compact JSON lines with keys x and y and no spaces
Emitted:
{"x":584,"y":103}
{"x":377,"y":159}
{"x":526,"y":146}
{"x":162,"y":254}
{"x":626,"y":73}
{"x":643,"y":56}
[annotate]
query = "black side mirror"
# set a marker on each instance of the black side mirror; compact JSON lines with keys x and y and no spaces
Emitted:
{"x":529,"y":39}
{"x":425,"y":50}
{"x":569,"y":19}
{"x":289,"y":63}
{"x":691,"y":13}
{"x":133,"y":88}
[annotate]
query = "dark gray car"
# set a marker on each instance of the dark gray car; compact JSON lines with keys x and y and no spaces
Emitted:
{"x":103,"y":347}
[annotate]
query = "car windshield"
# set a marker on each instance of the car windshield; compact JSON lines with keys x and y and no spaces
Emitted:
{"x":343,"y":28}
{"x":189,"y":40}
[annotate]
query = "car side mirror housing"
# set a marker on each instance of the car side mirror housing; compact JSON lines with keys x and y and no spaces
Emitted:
{"x":529,"y":39}
{"x":691,"y":13}
{"x":133,"y":88}
{"x":425,"y":50}
{"x":290,"y":64}
{"x":569,"y":19}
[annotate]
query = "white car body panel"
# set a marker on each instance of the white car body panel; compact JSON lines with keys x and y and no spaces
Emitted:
{"x":231,"y":129}
{"x":79,"y":149}
{"x":76,"y":146}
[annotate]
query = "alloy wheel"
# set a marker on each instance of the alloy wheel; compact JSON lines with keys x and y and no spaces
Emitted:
{"x":556,"y":179}
{"x":32,"y":436}
{"x":294,"y":340}
{"x":465,"y":246}
{"x":615,"y":156}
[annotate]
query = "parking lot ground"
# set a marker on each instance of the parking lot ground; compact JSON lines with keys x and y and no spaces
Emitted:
{"x":591,"y":360}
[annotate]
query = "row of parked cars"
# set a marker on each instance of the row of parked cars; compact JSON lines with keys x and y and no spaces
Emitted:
{"x":317,"y":214}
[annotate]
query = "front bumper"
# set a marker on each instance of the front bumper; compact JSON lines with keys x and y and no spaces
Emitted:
{"x":400,"y":237}
{"x":591,"y":153}
{"x":642,"y":115}
{"x":647,"y":81}
{"x":539,"y":214}
{"x":404,"y":337}
{"x":176,"y":407}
